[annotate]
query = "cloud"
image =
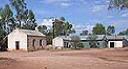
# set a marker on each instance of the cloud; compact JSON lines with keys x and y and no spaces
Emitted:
{"x":79,"y":28}
{"x":65,"y":4}
{"x":124,"y":15}
{"x":47,"y":22}
{"x":98,"y":8}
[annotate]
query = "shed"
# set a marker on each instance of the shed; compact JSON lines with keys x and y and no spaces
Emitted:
{"x":61,"y":42}
{"x":116,"y":41}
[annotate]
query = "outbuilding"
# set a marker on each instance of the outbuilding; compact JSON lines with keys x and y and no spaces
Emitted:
{"x":116,"y":41}
{"x":61,"y":42}
{"x":26,"y":40}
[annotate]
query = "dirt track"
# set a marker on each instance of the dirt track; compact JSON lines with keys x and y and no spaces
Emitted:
{"x":82,"y":59}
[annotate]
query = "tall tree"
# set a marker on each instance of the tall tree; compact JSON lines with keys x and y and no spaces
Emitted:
{"x":92,"y":40}
{"x":124,"y":32}
{"x":68,"y":29}
{"x":62,"y":27}
{"x":25,"y":18}
{"x":99,"y":29}
{"x":120,"y":4}
{"x":110,"y":30}
{"x":43,"y":29}
{"x":84,"y":32}
{"x":7,"y":19}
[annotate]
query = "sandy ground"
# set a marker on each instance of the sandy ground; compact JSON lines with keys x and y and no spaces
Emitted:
{"x":79,"y":59}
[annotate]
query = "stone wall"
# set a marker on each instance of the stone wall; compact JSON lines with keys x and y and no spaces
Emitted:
{"x":33,"y":43}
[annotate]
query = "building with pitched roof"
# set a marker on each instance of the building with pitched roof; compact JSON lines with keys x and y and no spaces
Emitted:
{"x":27,"y":40}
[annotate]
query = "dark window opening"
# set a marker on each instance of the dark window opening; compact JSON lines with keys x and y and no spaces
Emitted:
{"x":41,"y":43}
{"x":98,"y":43}
{"x":17,"y":45}
{"x":111,"y":44}
{"x":33,"y":42}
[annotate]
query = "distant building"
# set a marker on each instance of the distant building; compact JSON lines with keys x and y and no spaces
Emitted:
{"x":61,"y":42}
{"x":112,"y":41}
{"x":102,"y":41}
{"x":27,"y":40}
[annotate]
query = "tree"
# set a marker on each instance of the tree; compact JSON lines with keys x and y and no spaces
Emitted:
{"x":43,"y":29}
{"x":76,"y":42}
{"x":92,"y":40}
{"x":124,"y":32}
{"x":57,"y":27}
{"x":120,"y":4}
{"x":68,"y":29}
{"x":110,"y":30}
{"x":62,"y":27}
{"x":7,"y":19}
{"x":85,"y":32}
{"x":99,"y":29}
{"x":25,"y":18}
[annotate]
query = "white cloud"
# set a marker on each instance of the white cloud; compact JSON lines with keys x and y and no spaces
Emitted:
{"x":98,"y":8}
{"x":65,"y":4}
{"x":80,"y":28}
{"x":47,"y":22}
{"x":124,"y":15}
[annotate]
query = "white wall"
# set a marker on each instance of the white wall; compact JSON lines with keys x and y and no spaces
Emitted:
{"x":17,"y":36}
{"x":117,"y":44}
{"x":58,"y":42}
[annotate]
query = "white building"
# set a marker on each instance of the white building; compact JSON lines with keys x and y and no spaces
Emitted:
{"x":61,"y":42}
{"x":116,"y":41}
{"x":27,"y":40}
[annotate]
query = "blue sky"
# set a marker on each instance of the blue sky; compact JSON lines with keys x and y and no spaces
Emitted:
{"x":83,"y":14}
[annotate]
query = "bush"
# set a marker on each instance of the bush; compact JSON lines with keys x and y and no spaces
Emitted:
{"x":80,"y":45}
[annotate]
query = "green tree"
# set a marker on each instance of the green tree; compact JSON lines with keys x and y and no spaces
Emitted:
{"x":7,"y":19}
{"x":62,"y":27}
{"x":120,"y":4}
{"x":84,"y":32}
{"x":124,"y":32}
{"x":92,"y":40}
{"x":99,"y":29}
{"x":25,"y":18}
{"x":76,"y":42}
{"x":110,"y":30}
{"x":68,"y":29}
{"x":43,"y":29}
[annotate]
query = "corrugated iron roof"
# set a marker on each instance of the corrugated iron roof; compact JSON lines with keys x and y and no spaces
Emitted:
{"x":31,"y":32}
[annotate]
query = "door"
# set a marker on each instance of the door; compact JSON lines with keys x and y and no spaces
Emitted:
{"x":17,"y":45}
{"x":111,"y":44}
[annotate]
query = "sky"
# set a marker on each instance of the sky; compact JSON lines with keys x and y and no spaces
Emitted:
{"x":83,"y":14}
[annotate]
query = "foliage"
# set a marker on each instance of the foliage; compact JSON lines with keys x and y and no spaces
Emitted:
{"x":24,"y":18}
{"x":80,"y":45}
{"x":84,"y":32}
{"x":120,"y":4}
{"x":99,"y":29}
{"x":43,"y":29}
{"x":62,"y":27}
{"x":92,"y":41}
{"x":124,"y":32}
{"x":110,"y":30}
{"x":76,"y":42}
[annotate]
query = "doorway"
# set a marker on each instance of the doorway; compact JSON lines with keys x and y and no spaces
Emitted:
{"x":111,"y":44}
{"x":17,"y":45}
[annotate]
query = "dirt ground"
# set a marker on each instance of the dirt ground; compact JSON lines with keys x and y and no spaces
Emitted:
{"x":79,"y":59}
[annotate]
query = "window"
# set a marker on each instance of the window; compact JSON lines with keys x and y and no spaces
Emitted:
{"x":33,"y":42}
{"x":98,"y":43}
{"x":41,"y":43}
